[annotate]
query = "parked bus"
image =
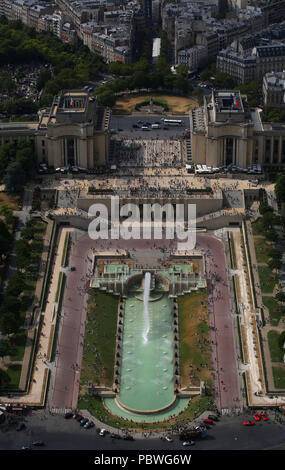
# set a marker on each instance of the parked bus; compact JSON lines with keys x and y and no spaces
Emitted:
{"x":172,"y":122}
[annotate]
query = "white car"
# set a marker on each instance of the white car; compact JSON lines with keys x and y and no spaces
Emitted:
{"x":188,"y":443}
{"x":168,"y":439}
{"x":102,"y":432}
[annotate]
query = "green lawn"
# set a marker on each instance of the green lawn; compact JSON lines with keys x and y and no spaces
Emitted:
{"x":275,"y":352}
{"x":279,"y":376}
{"x":267,"y":278}
{"x":65,"y":249}
{"x":262,"y":247}
{"x":99,"y":341}
{"x":256,"y":229}
{"x":275,"y":310}
{"x":194,"y":334}
{"x":18,"y":343}
{"x":14,"y":372}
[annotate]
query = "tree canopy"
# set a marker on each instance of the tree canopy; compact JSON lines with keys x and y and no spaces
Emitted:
{"x":280,"y":188}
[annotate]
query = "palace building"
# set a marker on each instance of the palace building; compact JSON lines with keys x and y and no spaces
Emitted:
{"x":226,"y":131}
{"x":74,"y":131}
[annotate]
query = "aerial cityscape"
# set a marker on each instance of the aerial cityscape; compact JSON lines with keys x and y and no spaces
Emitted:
{"x":142,"y":225}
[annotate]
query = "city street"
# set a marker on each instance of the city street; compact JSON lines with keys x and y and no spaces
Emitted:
{"x":125,"y":123}
{"x":60,"y":434}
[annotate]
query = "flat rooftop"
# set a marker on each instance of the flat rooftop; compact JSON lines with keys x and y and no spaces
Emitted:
{"x":74,"y":105}
{"x":226,"y":101}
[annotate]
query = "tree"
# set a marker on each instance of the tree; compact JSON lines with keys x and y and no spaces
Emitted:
{"x":274,"y":253}
{"x":16,"y":285}
{"x":274,"y":263}
{"x":107,"y":98}
{"x":267,"y":221}
{"x":182,"y":70}
{"x":4,"y":378}
{"x":181,"y":84}
{"x":7,"y":211}
{"x":23,"y":255}
{"x":10,"y":323}
{"x":5,"y":239}
{"x":263,"y":208}
{"x":280,"y":296}
{"x":271,"y":235}
{"x":280,"y":188}
{"x":281,"y":340}
{"x":14,"y":178}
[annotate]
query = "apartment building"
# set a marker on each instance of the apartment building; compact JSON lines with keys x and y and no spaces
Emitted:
{"x":246,"y":67}
{"x":192,"y":57}
{"x":273,"y":89}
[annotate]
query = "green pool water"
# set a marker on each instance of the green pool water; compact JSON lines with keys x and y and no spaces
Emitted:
{"x":147,"y":369}
{"x":178,"y":406}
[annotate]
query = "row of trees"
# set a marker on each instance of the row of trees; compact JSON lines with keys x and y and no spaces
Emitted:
{"x":280,"y":188}
{"x":17,"y":160}
{"x":72,"y":65}
{"x":143,"y":74}
{"x":19,"y":291}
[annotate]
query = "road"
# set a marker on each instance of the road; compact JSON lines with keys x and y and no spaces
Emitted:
{"x":60,"y":434}
{"x":126,"y":124}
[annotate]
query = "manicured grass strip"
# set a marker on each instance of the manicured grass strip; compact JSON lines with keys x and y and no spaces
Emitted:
{"x":65,"y":250}
{"x":279,"y":376}
{"x":275,"y":310}
{"x":59,"y":284}
{"x":194,"y":335}
{"x":276,"y":352}
{"x":267,"y":279}
{"x":100,"y":339}
{"x":240,"y":340}
{"x":262,"y":247}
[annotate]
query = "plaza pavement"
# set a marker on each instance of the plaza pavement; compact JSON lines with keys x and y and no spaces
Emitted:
{"x":70,"y":346}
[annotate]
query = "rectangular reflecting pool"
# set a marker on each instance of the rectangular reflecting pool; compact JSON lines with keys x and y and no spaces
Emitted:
{"x":147,"y":368}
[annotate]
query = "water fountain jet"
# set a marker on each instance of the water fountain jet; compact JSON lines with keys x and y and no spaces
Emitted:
{"x":147,"y":281}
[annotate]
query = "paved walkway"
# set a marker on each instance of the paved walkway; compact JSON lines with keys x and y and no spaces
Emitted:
{"x":221,"y":322}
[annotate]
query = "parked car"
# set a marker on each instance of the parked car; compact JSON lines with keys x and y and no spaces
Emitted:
{"x":127,"y":437}
{"x":208,"y":421}
{"x":68,"y":415}
{"x":264,"y":416}
{"x":188,"y":443}
{"x":89,"y":424}
{"x":83,"y":421}
{"x":257,"y":417}
{"x":38,"y":443}
{"x":102,"y":432}
{"x":168,"y":439}
{"x":248,"y":423}
{"x":213,"y":417}
{"x":115,"y":436}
